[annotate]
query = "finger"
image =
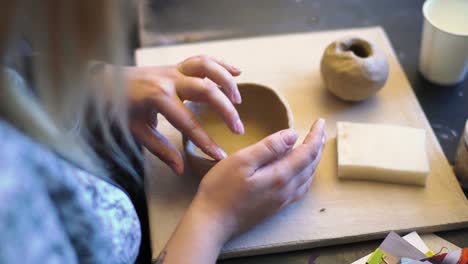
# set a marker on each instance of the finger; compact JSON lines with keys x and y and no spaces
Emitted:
{"x":298,"y":159}
{"x":204,"y":90}
{"x":270,"y":148}
{"x":186,"y":122}
{"x":310,"y":136}
{"x":307,"y":172}
{"x":303,"y":176}
{"x":302,"y":190}
{"x":286,"y":196}
{"x":308,"y":152}
{"x":205,"y":67}
{"x":235,"y":71}
{"x":279,"y":178}
{"x":231,"y":68}
{"x":157,"y":144}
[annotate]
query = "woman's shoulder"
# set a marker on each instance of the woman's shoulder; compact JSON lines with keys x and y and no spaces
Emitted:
{"x":17,"y":152}
{"x":40,"y":204}
{"x":22,"y":157}
{"x":27,"y":213}
{"x":96,"y":219}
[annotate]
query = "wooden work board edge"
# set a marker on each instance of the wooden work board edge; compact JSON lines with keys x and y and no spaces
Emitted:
{"x":285,"y":247}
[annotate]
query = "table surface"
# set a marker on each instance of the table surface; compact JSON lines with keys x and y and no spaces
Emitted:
{"x":174,"y":22}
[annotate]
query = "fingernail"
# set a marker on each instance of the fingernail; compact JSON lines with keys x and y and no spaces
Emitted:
{"x":238,"y":98}
{"x":320,"y":123}
{"x":216,"y":152}
{"x":236,"y":69}
{"x":289,"y":136}
{"x":239,"y":127}
{"x":221,"y":153}
{"x":177,"y":168}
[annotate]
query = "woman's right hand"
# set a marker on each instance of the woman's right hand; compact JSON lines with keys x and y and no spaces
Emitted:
{"x":161,"y":90}
{"x":242,"y":190}
{"x":259,"y":180}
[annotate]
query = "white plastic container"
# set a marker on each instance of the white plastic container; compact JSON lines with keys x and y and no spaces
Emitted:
{"x":444,"y":43}
{"x":461,"y":159}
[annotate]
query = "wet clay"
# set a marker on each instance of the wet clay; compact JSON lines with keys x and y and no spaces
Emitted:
{"x":353,"y":69}
{"x":262,"y":111}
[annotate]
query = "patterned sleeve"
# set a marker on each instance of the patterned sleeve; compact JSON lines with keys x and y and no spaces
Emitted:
{"x":29,"y":224}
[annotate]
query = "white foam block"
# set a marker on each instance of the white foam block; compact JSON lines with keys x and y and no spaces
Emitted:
{"x":384,"y":153}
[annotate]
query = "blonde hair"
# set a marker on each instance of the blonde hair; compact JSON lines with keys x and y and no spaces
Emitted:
{"x":67,"y":34}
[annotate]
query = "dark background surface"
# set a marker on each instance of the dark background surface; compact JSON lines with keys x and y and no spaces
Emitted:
{"x":177,"y":21}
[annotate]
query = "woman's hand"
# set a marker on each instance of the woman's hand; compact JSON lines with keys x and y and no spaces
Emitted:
{"x":154,"y":90}
{"x":244,"y":189}
{"x":259,"y":180}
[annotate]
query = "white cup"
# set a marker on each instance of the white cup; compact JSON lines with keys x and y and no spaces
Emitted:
{"x":444,"y":44}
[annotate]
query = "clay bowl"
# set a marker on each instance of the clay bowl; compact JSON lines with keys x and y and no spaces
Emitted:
{"x":263,"y":112}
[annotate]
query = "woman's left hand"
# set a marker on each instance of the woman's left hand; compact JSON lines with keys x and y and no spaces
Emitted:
{"x":154,"y":90}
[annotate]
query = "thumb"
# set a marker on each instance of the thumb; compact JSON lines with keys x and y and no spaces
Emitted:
{"x":270,"y":148}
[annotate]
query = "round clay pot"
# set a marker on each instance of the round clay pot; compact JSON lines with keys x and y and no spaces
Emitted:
{"x":353,"y":69}
{"x":263,"y":112}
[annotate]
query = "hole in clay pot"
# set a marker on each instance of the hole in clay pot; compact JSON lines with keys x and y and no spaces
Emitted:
{"x":358,"y":47}
{"x":360,"y":50}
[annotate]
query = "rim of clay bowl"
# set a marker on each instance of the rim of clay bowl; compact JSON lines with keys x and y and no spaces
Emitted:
{"x":189,"y":146}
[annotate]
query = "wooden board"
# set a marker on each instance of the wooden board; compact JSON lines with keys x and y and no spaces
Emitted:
{"x":354,"y":211}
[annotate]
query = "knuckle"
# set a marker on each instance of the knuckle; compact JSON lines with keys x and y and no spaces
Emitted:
{"x":242,"y":159}
{"x":206,"y":93}
{"x":299,"y":196}
{"x":274,"y":146}
{"x":165,"y":89}
{"x":303,"y":179}
{"x":315,"y":151}
{"x":192,"y":123}
{"x":202,"y":58}
{"x":241,"y":155}
{"x":208,"y":87}
{"x":252,"y":185}
{"x":309,"y":155}
{"x":312,"y":172}
{"x":279,"y":180}
{"x":316,"y":147}
{"x":237,"y":156}
{"x":283,"y":198}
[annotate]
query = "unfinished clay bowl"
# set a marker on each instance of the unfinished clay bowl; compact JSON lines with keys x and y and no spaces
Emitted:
{"x":263,"y":112}
{"x":353,"y":69}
